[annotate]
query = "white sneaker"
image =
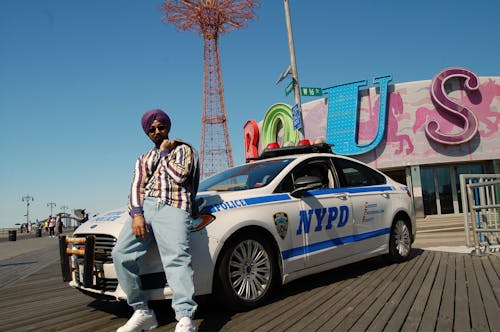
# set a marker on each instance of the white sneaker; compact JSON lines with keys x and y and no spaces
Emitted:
{"x":141,"y":320}
{"x":185,"y":325}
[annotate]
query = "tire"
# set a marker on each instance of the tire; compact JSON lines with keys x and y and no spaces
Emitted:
{"x":400,"y":241}
{"x":247,"y":273}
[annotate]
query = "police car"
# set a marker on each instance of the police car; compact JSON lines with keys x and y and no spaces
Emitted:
{"x":292,"y":212}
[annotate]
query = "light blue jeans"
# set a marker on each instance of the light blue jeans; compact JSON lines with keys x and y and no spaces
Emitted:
{"x":171,"y":228}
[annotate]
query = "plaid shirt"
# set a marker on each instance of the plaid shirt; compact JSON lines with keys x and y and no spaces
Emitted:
{"x":164,"y":176}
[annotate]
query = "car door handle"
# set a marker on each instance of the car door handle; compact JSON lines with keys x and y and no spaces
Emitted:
{"x":342,"y":196}
{"x":386,"y":195}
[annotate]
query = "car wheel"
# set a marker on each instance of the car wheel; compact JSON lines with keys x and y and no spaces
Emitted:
{"x":400,"y":241}
{"x":248,"y":272}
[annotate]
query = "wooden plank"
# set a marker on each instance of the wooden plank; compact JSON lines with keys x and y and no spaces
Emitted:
{"x":335,"y":280}
{"x":318,"y":310}
{"x":462,"y":315}
{"x":415,"y":315}
{"x":348,"y":298}
{"x":490,"y":303}
{"x":20,"y":266}
{"x":431,"y":311}
{"x":99,"y":322}
{"x":54,"y":302}
{"x":260,"y":316}
{"x":495,"y":262}
{"x":477,"y":314}
{"x":332,"y":304}
{"x":44,"y":308}
{"x":67,"y":318}
{"x":369,"y":316}
{"x":447,"y":308}
{"x":354,"y":312}
{"x":493,"y":278}
{"x":388,"y":309}
{"x":338,"y":313}
{"x":404,"y":301}
{"x":301,"y":309}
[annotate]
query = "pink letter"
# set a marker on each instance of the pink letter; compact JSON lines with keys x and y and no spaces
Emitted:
{"x":459,"y":112}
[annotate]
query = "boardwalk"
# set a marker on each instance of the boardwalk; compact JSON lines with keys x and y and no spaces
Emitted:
{"x":433,"y":291}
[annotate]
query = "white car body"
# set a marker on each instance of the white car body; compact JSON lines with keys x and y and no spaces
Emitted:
{"x":317,"y":230}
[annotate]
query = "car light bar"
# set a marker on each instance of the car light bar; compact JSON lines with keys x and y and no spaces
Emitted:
{"x":291,"y":150}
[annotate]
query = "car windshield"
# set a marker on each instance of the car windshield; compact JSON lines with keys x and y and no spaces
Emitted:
{"x":248,"y":176}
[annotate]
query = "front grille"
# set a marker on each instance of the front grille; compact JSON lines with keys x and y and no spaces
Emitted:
{"x":103,"y":247}
{"x":102,"y":255}
{"x":105,"y":284}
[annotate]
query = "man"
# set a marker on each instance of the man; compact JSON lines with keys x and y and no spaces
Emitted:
{"x":52,"y":226}
{"x":161,"y":204}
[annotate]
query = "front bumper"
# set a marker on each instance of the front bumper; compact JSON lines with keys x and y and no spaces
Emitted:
{"x":87,"y":264}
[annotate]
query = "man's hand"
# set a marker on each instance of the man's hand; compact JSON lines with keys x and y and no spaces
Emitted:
{"x":167,"y":145}
{"x":139,"y":227}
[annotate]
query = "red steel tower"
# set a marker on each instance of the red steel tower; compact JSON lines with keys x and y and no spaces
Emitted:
{"x":210,"y":18}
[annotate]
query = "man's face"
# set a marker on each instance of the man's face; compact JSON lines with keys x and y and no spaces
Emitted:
{"x":158,"y":132}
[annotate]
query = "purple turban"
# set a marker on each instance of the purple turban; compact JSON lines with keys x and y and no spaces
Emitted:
{"x":150,"y":116}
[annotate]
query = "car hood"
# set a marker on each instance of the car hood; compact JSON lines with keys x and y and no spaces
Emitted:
{"x":110,"y":222}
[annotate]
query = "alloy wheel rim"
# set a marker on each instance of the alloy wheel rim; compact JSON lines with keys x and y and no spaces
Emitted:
{"x":402,"y":238}
{"x":249,"y":270}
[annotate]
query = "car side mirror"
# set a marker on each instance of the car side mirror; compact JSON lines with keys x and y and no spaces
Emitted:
{"x":305,"y":183}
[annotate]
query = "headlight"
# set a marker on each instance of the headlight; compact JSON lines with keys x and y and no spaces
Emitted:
{"x":202,"y":221}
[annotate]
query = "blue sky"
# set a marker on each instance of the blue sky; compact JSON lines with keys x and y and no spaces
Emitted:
{"x":76,"y":76}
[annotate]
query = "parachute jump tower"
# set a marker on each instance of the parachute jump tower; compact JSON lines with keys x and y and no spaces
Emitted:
{"x":211,"y":18}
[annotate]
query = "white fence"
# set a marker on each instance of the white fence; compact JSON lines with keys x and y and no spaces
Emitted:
{"x":481,"y":206}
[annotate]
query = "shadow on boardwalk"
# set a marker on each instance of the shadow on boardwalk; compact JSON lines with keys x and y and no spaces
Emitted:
{"x":433,"y":291}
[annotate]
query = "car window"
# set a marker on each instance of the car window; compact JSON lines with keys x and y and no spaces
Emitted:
{"x":247,"y":176}
{"x":353,"y":174}
{"x":320,"y":168}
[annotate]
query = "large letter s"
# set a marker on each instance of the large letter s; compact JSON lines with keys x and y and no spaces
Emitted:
{"x":468,"y":118}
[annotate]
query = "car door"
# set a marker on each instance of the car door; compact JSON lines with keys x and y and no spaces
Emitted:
{"x":323,"y":225}
{"x":370,"y":197}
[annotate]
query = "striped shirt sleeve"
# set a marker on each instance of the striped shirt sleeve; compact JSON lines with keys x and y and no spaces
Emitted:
{"x":178,"y":163}
{"x":141,"y":177}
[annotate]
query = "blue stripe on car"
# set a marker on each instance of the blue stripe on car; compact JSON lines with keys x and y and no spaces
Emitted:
{"x":332,"y":243}
{"x":228,"y":205}
{"x":286,"y":197}
{"x":267,"y":199}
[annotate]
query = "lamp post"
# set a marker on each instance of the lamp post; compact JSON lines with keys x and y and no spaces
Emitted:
{"x":27,"y":199}
{"x":293,"y":65}
{"x":52,"y":205}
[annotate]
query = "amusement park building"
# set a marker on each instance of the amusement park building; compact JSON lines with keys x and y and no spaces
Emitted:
{"x":425,"y":134}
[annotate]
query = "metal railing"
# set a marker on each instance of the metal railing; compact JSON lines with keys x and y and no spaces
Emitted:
{"x":481,"y":203}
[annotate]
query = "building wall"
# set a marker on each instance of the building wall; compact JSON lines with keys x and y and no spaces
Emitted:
{"x":410,"y":108}
{"x":450,"y":120}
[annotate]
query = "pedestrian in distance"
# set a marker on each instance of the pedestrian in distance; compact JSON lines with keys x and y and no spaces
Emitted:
{"x":52,"y":226}
{"x":161,"y":206}
{"x":59,"y":224}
